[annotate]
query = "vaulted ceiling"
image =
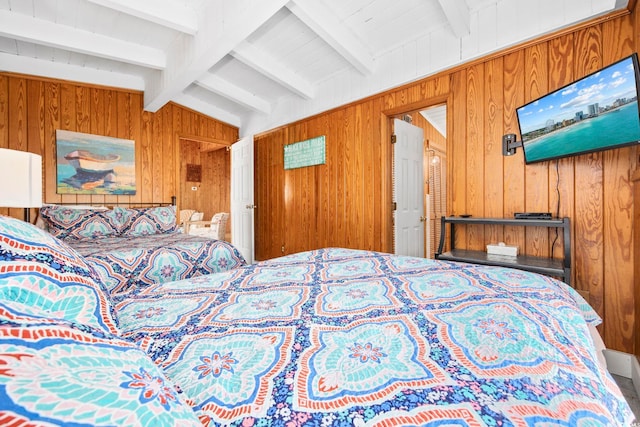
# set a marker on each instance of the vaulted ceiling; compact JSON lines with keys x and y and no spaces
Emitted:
{"x":257,"y":64}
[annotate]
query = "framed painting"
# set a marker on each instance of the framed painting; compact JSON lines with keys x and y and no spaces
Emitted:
{"x":94,"y":164}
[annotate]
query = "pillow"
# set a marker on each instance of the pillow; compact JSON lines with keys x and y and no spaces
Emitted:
{"x":58,"y":375}
{"x":72,"y":223}
{"x":145,"y":221}
{"x":43,"y":279}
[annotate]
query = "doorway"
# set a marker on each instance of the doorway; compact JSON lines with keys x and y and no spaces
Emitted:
{"x":204,"y":176}
{"x":432,"y":120}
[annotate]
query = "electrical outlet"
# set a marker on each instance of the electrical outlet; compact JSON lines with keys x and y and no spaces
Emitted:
{"x":194,"y":188}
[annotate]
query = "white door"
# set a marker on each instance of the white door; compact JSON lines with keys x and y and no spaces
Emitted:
{"x":242,"y":207}
{"x":408,"y":189}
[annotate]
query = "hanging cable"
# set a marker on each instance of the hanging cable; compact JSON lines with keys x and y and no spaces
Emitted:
{"x":557,"y":204}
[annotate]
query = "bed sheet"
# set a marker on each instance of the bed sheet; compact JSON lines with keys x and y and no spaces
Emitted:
{"x":125,"y":263}
{"x":343,"y":337}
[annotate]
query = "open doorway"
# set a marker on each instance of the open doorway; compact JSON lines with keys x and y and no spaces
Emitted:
{"x":204,"y":177}
{"x":432,"y":120}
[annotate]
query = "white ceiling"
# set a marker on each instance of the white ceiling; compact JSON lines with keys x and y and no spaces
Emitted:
{"x":257,"y":64}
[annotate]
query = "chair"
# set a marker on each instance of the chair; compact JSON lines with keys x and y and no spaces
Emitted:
{"x":188,"y":218}
{"x":219,"y":225}
{"x":214,"y":229}
{"x":183,"y":216}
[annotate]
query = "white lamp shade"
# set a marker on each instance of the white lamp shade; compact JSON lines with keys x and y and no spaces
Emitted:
{"x":20,"y":179}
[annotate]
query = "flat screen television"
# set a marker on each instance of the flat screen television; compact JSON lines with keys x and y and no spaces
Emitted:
{"x":596,"y":112}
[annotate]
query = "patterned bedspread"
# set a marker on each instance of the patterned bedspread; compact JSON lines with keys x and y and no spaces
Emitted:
{"x":125,"y":263}
{"x":342,"y":337}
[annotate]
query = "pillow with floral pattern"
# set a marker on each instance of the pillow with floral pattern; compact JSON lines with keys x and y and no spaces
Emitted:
{"x":146,"y":221}
{"x":71,"y":223}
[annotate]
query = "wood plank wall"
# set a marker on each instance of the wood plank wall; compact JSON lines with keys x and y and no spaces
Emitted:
{"x":213,"y":191}
{"x":347,"y":201}
{"x":31,"y":109}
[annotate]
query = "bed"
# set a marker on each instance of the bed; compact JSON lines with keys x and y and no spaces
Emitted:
{"x":134,"y":247}
{"x":326,"y":337}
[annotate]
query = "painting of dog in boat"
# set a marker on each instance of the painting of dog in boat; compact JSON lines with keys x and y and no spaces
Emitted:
{"x":94,"y":164}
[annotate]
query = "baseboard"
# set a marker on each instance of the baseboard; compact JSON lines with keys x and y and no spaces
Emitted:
{"x":624,"y":364}
{"x":635,"y":374}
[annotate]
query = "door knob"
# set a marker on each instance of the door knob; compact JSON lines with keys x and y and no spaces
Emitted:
{"x":423,"y":218}
{"x":251,"y":206}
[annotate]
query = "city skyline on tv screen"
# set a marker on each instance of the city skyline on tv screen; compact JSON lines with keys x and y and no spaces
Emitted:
{"x":596,"y":112}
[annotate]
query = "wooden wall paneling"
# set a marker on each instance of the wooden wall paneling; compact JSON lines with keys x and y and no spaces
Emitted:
{"x":561,"y":171}
{"x":4,"y":121}
{"x":216,"y":182}
{"x":493,"y":160}
{"x":292,"y":205}
{"x":618,"y":210}
{"x":474,"y":161}
{"x":536,"y":175}
{"x":176,"y":121}
{"x":67,"y":122}
{"x":157,"y":149}
{"x":269,"y":195}
{"x":301,"y":208}
{"x":97,"y":118}
{"x":35,"y":108}
{"x":83,"y":122}
{"x":110,"y":113}
{"x":51,"y":124}
{"x":18,"y":123}
{"x":264,"y":230}
{"x":339,"y":167}
{"x":189,"y":154}
{"x":35,"y":122}
{"x":513,"y":166}
{"x":279,"y":197}
{"x":167,"y":139}
{"x":123,"y":127}
{"x":384,"y":159}
{"x":322,"y":186}
{"x":371,"y":177}
{"x":635,"y":177}
{"x":144,"y":189}
{"x":589,"y":188}
{"x":18,"y":114}
{"x":457,"y":149}
{"x":354,"y":185}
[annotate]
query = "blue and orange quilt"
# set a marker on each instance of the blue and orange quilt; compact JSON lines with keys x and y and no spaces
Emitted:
{"x":357,"y":338}
{"x":127,"y":262}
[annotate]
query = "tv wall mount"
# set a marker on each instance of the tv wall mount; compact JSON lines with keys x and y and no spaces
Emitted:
{"x":509,"y":144}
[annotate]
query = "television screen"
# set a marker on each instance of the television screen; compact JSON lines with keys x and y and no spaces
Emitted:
{"x":597,"y":112}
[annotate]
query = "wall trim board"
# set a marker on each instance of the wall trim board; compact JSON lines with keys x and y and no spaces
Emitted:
{"x":71,"y":82}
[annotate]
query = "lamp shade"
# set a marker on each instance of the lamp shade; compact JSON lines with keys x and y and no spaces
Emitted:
{"x":20,"y":179}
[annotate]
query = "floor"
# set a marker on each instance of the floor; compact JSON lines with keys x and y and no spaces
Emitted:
{"x":626,"y":386}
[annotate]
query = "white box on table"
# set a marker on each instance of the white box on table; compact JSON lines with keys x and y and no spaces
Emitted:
{"x":502,"y":249}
